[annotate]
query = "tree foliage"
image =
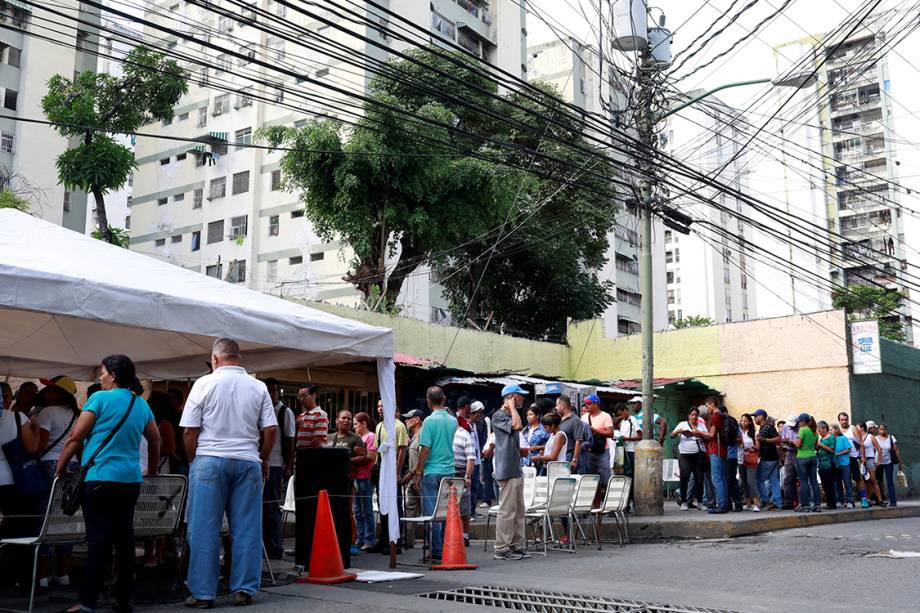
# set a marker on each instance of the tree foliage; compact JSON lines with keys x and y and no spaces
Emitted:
{"x":93,"y":107}
{"x":693,"y":321}
{"x":120,"y":236}
{"x":10,"y":200}
{"x":872,"y":302}
{"x":403,"y":192}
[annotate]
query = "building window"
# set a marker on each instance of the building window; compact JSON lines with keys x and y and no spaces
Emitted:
{"x":271,"y":271}
{"x":164,"y":161}
{"x":181,"y":157}
{"x":223,"y":62}
{"x":10,"y":98}
{"x":243,"y":137}
{"x":443,"y":26}
{"x":317,"y":257}
{"x":162,"y":201}
{"x":131,"y":180}
{"x":66,"y":201}
{"x":218,"y":188}
{"x":279,"y":93}
{"x":221,"y":104}
{"x":127,"y":222}
{"x":236,"y":273}
{"x":129,"y":201}
{"x":178,"y":197}
{"x":196,"y":240}
{"x":240,"y":182}
{"x":274,"y":225}
{"x":6,"y":142}
{"x":244,"y":98}
{"x":670,"y":276}
{"x":160,"y":242}
{"x":197,"y":197}
{"x":216,"y":231}
{"x":202,"y":116}
{"x":183,"y":117}
{"x":167,"y":122}
{"x":12,"y":57}
{"x":213,"y":270}
{"x":224,"y":23}
{"x":296,"y":214}
{"x":248,"y":54}
{"x":296,"y":260}
{"x":176,"y":239}
{"x":239,"y":226}
{"x":276,"y":180}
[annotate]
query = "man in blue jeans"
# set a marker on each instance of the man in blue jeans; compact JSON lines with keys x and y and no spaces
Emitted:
{"x":435,"y":462}
{"x":717,"y":449}
{"x":768,"y":468}
{"x":226,"y":415}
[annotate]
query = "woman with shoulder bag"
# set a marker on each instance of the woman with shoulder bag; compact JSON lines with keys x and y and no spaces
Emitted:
{"x":19,"y":512}
{"x":109,"y":430}
{"x":691,"y":454}
{"x":750,"y":458}
{"x":889,"y":456}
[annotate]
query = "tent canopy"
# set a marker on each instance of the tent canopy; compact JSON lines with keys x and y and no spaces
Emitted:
{"x":67,"y":300}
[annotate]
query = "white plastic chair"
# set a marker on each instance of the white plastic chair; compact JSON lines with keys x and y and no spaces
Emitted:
{"x":440,"y":511}
{"x":670,"y":475}
{"x":531,"y":485}
{"x":558,"y":506}
{"x":615,"y":502}
{"x":583,"y":504}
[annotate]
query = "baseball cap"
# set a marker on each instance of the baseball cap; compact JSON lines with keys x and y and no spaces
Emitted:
{"x":592,"y":399}
{"x":871,"y":424}
{"x":759,"y":413}
{"x":513,"y":388}
{"x":477,"y":406}
{"x":634,"y":399}
{"x":62,"y":381}
{"x":804,"y":417}
{"x":414,"y":413}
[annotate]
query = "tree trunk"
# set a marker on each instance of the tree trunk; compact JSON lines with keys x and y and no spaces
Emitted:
{"x":409,"y":261}
{"x":104,"y":230}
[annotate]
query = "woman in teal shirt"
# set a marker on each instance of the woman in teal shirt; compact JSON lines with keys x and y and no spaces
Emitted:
{"x":806,"y":464}
{"x":826,"y":448}
{"x":113,"y":482}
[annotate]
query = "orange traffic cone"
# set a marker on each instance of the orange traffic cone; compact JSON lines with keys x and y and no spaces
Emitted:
{"x":454,"y":555}
{"x":326,"y":565}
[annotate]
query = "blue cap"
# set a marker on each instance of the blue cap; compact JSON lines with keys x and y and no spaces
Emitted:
{"x":592,"y":399}
{"x":804,"y":417}
{"x":513,"y":388}
{"x":759,"y":413}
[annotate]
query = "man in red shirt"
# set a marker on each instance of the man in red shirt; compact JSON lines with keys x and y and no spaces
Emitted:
{"x":716,"y":449}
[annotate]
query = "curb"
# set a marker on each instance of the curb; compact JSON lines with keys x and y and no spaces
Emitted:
{"x":658,"y":528}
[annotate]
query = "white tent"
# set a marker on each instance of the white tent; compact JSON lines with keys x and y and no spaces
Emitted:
{"x":67,"y":300}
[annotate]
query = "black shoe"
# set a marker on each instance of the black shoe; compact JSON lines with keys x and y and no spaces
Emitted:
{"x":521,"y":553}
{"x":194,"y":603}
{"x":242,"y":599}
{"x":739,"y":508}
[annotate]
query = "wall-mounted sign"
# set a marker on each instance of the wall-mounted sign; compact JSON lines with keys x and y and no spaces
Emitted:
{"x":867,"y":353}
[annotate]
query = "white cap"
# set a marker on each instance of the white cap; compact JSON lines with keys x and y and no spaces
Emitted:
{"x":871,"y":424}
{"x":476,"y":406}
{"x":635,"y":399}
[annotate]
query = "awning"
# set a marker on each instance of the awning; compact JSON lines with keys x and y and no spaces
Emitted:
{"x":221,"y":136}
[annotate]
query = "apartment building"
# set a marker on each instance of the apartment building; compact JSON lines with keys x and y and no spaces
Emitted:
{"x":27,"y":61}
{"x":865,"y":104}
{"x":216,"y":206}
{"x":575,"y":70}
{"x":706,"y":274}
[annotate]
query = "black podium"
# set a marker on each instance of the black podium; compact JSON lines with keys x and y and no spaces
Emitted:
{"x":322,"y":468}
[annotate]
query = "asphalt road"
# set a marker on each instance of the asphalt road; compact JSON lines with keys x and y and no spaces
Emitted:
{"x":817,"y":569}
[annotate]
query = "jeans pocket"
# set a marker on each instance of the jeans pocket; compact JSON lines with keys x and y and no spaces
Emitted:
{"x":205,"y":470}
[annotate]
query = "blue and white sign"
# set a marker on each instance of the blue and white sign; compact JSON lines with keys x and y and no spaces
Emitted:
{"x":867,"y":354}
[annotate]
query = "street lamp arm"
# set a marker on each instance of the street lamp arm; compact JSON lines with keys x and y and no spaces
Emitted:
{"x":706,"y":94}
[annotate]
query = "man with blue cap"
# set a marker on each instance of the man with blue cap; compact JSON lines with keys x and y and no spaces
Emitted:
{"x":601,"y":425}
{"x":509,"y":525}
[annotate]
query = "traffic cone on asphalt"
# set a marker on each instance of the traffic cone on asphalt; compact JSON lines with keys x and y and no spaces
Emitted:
{"x":326,"y":565}
{"x":454,"y":555}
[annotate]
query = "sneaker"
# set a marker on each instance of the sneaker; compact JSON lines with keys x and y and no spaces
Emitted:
{"x":506,"y":555}
{"x":242,"y":599}
{"x":524,"y":554}
{"x":194,"y":603}
{"x":684,"y":507}
{"x":755,"y":508}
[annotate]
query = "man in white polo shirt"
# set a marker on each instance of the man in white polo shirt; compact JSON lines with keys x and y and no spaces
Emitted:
{"x":225,"y":416}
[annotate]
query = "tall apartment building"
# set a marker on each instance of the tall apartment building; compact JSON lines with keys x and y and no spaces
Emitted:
{"x":574,"y":69}
{"x":27,"y":61}
{"x":868,"y":87}
{"x":217,"y":207}
{"x":707,"y":275}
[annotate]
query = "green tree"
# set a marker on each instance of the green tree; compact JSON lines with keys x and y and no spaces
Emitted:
{"x":94,"y":107}
{"x":872,"y":302}
{"x":120,"y":236}
{"x":392,"y":191}
{"x":693,"y":321}
{"x":9,"y":200}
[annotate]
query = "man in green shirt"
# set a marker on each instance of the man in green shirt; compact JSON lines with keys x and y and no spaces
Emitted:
{"x":806,"y":464}
{"x":435,"y":461}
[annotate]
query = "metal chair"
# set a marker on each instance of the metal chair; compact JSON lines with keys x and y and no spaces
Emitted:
{"x":440,"y":511}
{"x":158,"y":512}
{"x":558,"y":506}
{"x":583,"y":504}
{"x":532,"y":489}
{"x":615,"y":503}
{"x":557,"y":469}
{"x":57,"y":529}
{"x":670,"y":475}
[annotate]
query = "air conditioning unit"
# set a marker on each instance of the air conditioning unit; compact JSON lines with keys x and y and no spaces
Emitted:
{"x":217,"y":111}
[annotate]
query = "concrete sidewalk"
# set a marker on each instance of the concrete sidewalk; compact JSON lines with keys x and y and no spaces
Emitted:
{"x":695,"y":524}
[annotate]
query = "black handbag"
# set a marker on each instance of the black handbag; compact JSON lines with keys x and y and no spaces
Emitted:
{"x":72,"y":484}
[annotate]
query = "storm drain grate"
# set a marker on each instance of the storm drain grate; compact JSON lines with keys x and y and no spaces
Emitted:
{"x":555,"y":602}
